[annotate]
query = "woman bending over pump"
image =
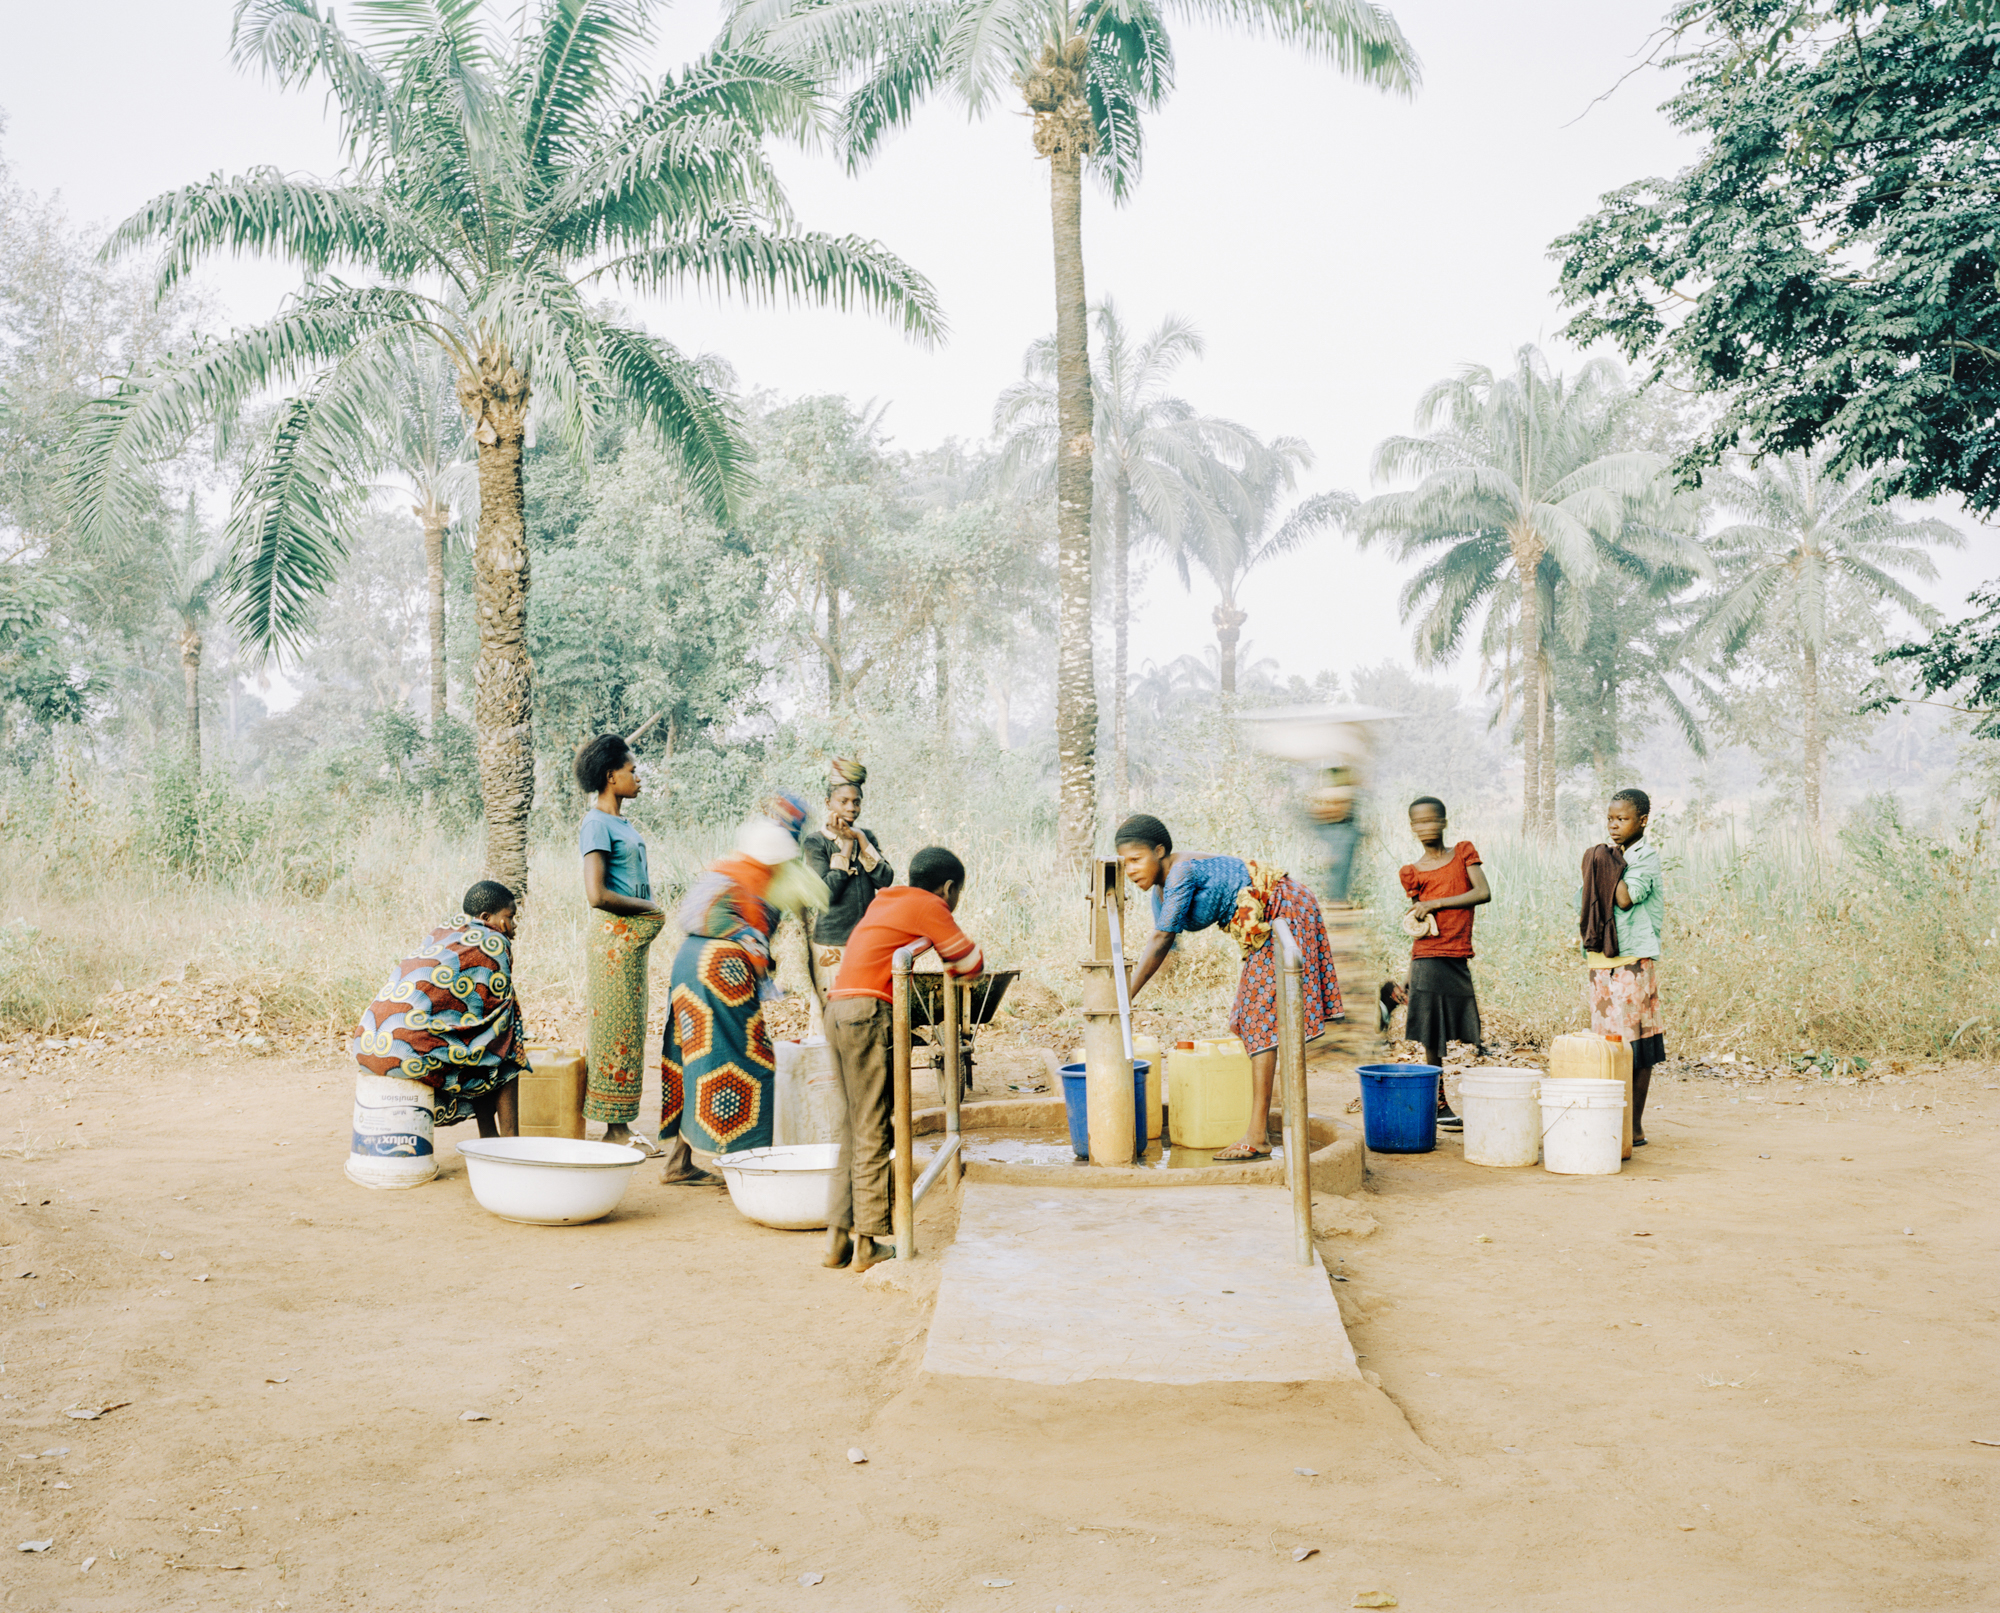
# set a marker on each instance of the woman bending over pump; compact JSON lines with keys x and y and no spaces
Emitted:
{"x":1193,"y":890}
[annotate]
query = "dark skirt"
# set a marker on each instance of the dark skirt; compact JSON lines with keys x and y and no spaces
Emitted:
{"x":1443,"y":1008}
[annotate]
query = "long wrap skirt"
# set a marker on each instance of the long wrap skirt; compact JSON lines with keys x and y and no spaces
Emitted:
{"x":615,"y":949}
{"x":717,"y":1067}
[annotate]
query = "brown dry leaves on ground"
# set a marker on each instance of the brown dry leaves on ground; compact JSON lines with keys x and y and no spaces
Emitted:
{"x":214,"y":1014}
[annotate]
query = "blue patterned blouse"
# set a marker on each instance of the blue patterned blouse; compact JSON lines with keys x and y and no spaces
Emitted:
{"x":1201,"y":891}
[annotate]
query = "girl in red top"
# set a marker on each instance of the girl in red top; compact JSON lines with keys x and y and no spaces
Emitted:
{"x":1444,"y":886}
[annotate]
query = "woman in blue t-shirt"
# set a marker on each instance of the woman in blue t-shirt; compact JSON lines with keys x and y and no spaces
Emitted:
{"x":616,"y":885}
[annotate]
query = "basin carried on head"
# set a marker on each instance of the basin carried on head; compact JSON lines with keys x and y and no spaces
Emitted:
{"x":789,"y":1187}
{"x":548,"y":1181}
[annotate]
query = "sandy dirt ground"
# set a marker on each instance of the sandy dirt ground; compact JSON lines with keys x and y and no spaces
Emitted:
{"x":1752,"y":1371}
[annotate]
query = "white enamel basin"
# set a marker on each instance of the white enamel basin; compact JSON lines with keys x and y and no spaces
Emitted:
{"x":548,"y":1181}
{"x":790,"y":1187}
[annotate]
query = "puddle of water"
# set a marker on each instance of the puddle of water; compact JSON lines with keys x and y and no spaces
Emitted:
{"x":1051,"y":1148}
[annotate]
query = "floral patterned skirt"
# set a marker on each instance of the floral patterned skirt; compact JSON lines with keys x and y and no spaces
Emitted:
{"x":1625,"y":1002}
{"x":1255,"y":1016}
{"x":615,"y":951}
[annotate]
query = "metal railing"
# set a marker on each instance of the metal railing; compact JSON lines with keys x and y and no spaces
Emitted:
{"x":910,"y":1188}
{"x":1292,"y":1082}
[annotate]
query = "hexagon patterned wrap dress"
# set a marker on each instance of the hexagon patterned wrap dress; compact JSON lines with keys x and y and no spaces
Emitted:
{"x":717,"y":1066}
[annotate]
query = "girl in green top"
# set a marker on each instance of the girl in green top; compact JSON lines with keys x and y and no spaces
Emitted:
{"x":1622,"y":943}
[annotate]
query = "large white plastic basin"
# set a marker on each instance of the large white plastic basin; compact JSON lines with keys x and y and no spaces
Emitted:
{"x":789,"y":1187}
{"x":548,"y":1181}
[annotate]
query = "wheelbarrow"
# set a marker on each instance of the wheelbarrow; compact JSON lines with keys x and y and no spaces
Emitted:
{"x":979,"y":1002}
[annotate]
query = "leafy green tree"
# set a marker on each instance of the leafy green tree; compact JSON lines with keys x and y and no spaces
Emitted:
{"x":1518,"y":490}
{"x":1829,"y":265}
{"x":1154,"y":456}
{"x":1088,"y":71}
{"x":646,"y":618}
{"x":1805,"y":536}
{"x":1961,"y":658}
{"x":495,"y":181}
{"x":826,"y":506}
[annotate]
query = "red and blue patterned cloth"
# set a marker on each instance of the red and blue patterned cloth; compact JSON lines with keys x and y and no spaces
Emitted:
{"x":448,"y":1017}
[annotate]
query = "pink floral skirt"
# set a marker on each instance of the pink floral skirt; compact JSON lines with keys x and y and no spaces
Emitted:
{"x":1625,"y":1002}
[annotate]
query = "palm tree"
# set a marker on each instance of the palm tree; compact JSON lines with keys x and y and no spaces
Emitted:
{"x":1228,"y":550}
{"x":494,"y":185}
{"x":192,"y":573}
{"x":1087,"y":70}
{"x":1153,"y":454}
{"x":1518,"y":490}
{"x":1803,"y":535}
{"x":426,"y":439}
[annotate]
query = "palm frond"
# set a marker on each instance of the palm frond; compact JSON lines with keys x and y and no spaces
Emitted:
{"x":672,"y":398}
{"x":265,"y":211}
{"x":841,"y":271}
{"x":1359,"y":38}
{"x":576,"y":74}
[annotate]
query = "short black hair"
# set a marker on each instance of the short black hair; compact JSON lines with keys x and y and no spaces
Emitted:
{"x":1639,"y":798}
{"x":1143,"y":829}
{"x":1430,"y":800}
{"x":933,"y":868}
{"x":488,"y":896}
{"x":598,"y":760}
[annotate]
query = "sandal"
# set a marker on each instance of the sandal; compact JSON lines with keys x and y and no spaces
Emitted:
{"x":693,"y":1179}
{"x":1238,"y":1153}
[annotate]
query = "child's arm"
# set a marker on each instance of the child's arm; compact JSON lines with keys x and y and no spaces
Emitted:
{"x":1480,"y":894}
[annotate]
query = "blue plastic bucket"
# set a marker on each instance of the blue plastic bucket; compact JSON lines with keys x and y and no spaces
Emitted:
{"x":1399,"y":1107}
{"x":1076,"y":1104}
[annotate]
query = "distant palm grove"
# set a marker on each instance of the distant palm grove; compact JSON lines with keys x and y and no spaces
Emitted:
{"x":467,"y":511}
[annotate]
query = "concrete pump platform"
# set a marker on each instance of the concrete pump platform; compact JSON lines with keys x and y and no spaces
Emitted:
{"x":1064,"y":1285}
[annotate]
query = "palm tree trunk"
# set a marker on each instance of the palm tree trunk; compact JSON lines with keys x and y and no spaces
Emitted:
{"x":503,"y":677}
{"x":1527,"y":572}
{"x":1545,"y":677}
{"x":435,"y":519}
{"x":835,"y":683}
{"x":940,"y":646}
{"x":1121,"y":612}
{"x":1228,"y":622}
{"x":191,"y":683}
{"x":1815,"y":739}
{"x":1076,"y":689}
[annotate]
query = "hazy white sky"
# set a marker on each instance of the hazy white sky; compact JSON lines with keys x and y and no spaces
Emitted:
{"x":1339,"y":250}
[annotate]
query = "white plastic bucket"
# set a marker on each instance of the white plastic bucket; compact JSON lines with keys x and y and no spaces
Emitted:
{"x":1583,"y":1126}
{"x":394,"y":1126}
{"x":1503,"y":1122}
{"x":811,"y":1103}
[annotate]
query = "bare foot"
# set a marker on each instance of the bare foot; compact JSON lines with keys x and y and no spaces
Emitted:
{"x":617,"y":1133}
{"x":839,"y":1248}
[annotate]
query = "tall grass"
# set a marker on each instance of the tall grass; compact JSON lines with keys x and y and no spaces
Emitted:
{"x":1879,"y":941}
{"x":1882,"y":941}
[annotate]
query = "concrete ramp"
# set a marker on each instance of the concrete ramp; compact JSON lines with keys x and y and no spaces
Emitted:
{"x":1167,"y":1285}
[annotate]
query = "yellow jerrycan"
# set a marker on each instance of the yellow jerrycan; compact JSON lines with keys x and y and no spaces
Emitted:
{"x":551,"y":1091}
{"x":1589,"y":1056}
{"x":1208,"y":1093}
